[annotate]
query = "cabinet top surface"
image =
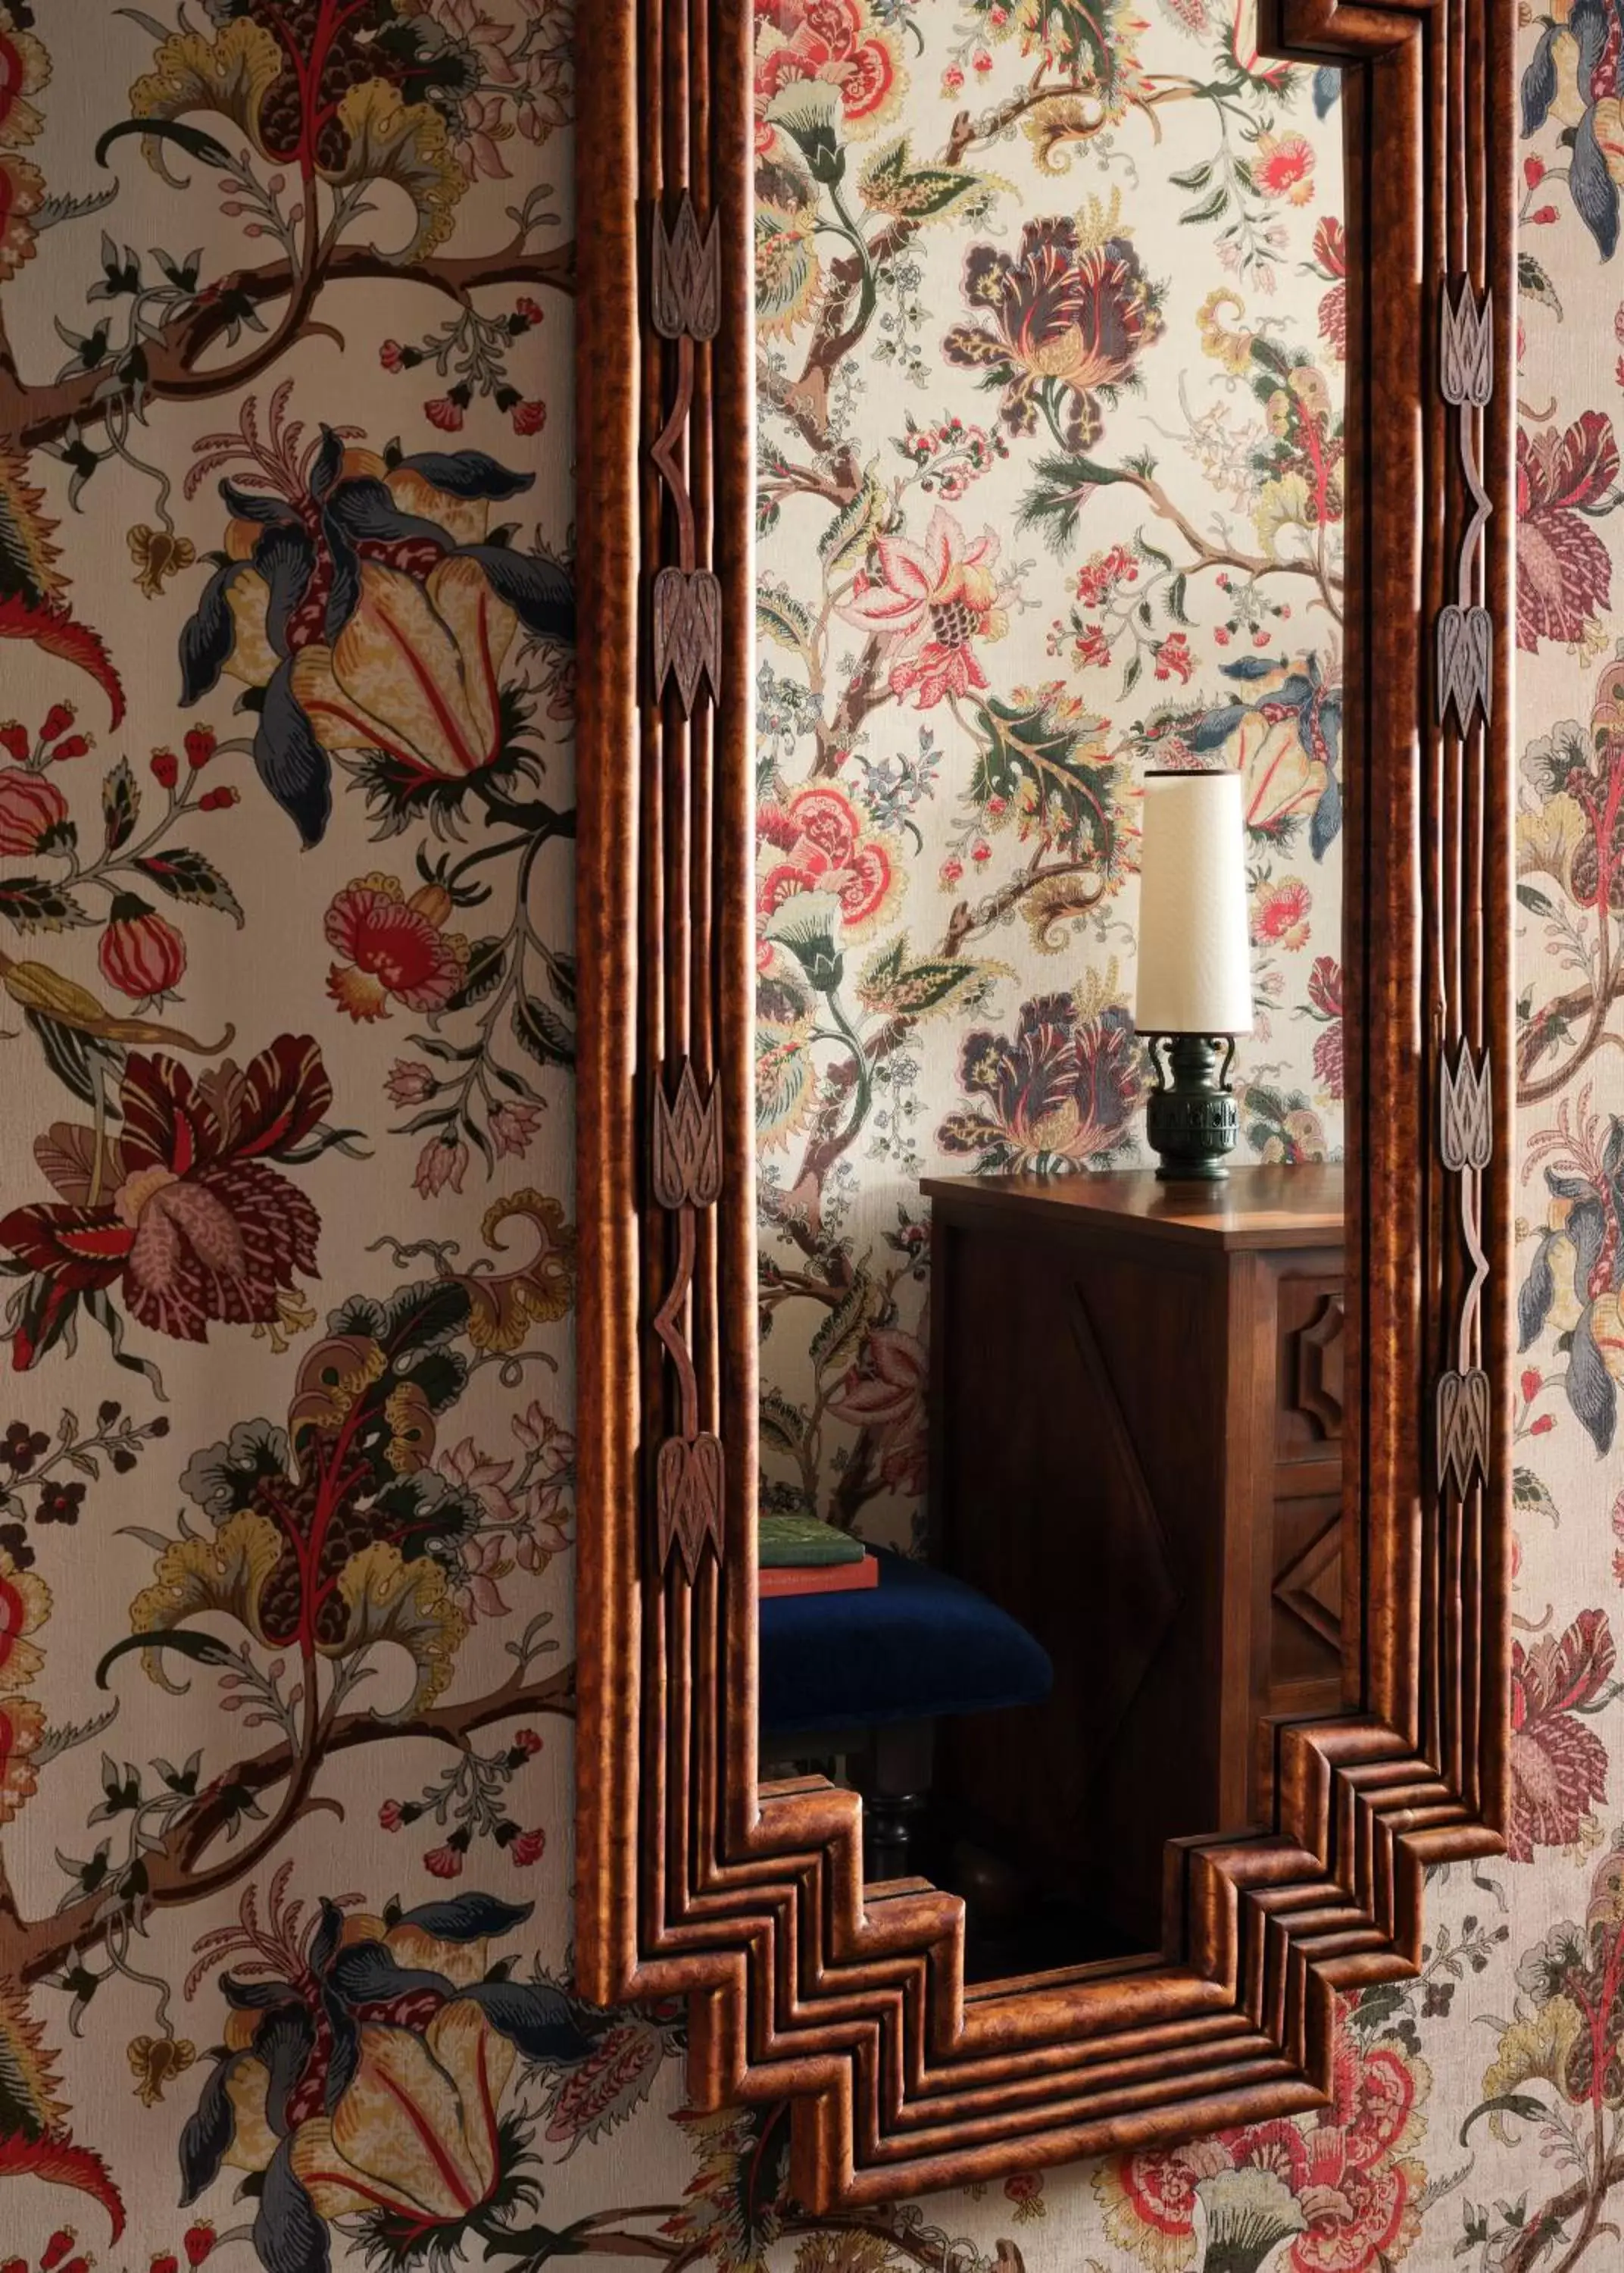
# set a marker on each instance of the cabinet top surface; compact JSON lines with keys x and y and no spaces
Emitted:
{"x":1261,"y":1207}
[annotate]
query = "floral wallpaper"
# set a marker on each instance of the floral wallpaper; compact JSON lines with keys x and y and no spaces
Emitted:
{"x":285,"y":804}
{"x":1050,"y":491}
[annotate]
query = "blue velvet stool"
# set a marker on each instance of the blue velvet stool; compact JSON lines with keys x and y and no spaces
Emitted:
{"x":875,"y":1668}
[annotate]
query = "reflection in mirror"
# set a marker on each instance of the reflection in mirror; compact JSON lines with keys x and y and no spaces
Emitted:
{"x":1049,"y":330}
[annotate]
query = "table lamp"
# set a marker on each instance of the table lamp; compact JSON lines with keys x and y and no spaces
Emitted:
{"x":1194,"y":981}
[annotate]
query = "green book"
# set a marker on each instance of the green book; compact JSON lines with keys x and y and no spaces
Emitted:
{"x":797,"y":1540}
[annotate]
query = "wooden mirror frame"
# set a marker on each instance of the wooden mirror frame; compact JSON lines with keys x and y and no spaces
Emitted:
{"x":690,"y":1878}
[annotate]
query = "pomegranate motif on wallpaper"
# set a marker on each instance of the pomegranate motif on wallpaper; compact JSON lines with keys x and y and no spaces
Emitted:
{"x":1052,"y":305}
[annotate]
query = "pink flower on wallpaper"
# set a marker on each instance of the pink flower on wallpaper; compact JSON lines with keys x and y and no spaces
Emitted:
{"x":815,"y":842}
{"x":485,"y":1564}
{"x":1564,"y":570}
{"x":485,"y":127}
{"x":934,"y":599}
{"x":512,"y":1125}
{"x":836,"y":40}
{"x":1280,"y":913}
{"x":1174,"y":660}
{"x":1559,"y":1766}
{"x":409,"y":1082}
{"x":1091,"y":649}
{"x":1283,"y":167}
{"x":1344,"y":2191}
{"x":885,"y":1393}
{"x":442,"y":1162}
{"x":394,"y":948}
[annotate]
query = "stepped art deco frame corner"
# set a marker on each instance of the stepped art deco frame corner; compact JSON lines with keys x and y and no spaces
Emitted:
{"x":692,"y":1877}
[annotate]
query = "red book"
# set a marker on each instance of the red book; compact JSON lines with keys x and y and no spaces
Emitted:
{"x":818,"y":1577}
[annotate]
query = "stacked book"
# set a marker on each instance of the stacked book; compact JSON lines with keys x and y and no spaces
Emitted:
{"x":798,"y":1555}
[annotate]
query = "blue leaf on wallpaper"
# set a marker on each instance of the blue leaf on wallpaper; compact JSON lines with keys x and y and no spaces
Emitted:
{"x":329,"y":463}
{"x":538,"y":590}
{"x":286,"y":559}
{"x":366,"y":1973}
{"x":1591,"y":1391}
{"x":283,"y":2041}
{"x":1535,"y":1295}
{"x":467,"y":474}
{"x":1595,"y":193}
{"x":1591,"y":23}
{"x":365,"y":508}
{"x":209,"y":2131}
{"x":1218,"y":726}
{"x":289,"y":760}
{"x":1539,"y":83}
{"x":345,"y":2056}
{"x":287,"y":2234}
{"x":1587,"y":1227}
{"x":249,"y":505}
{"x":533,"y":2015}
{"x":344,"y":592}
{"x":467,"y":1918}
{"x":1327,"y":90}
{"x":208,"y":635}
{"x":253,"y":1996}
{"x":1330,"y":725}
{"x":325,"y":1940}
{"x":1325,"y":826}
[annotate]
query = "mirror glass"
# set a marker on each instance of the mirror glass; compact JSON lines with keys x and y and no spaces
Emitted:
{"x":1049,"y":495}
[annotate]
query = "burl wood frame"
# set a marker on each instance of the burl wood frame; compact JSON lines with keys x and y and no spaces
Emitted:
{"x":690,"y":1877}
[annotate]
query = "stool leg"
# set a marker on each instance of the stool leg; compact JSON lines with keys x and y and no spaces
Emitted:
{"x":896,"y":1791}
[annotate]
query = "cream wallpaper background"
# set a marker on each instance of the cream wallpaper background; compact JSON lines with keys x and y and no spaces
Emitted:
{"x":340,"y":1485}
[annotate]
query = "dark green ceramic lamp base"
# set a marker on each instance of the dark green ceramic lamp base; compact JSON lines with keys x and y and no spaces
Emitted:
{"x":1191,"y":1118}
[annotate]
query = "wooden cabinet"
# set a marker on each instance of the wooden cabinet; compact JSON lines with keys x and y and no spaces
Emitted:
{"x":1137,"y":1420}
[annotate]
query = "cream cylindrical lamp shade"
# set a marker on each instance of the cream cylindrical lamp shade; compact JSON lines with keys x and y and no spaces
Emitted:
{"x":1194,"y":973}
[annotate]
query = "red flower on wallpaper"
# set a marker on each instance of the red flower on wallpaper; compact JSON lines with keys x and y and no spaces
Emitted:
{"x":1344,"y":2187}
{"x":1280,"y":913}
{"x":31,"y":810}
{"x":394,"y":948}
{"x":1283,"y":167}
{"x":930,"y":602}
{"x":179,"y":1211}
{"x":836,"y":41}
{"x":885,"y":1391}
{"x":1559,"y":1767}
{"x":814,"y":842}
{"x":1060,"y":1093}
{"x":1564,"y":571}
{"x":1059,"y":326}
